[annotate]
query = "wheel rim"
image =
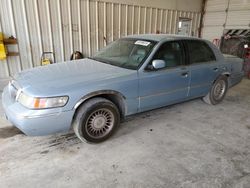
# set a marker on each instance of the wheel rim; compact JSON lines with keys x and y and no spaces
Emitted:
{"x":100,"y":123}
{"x":219,"y":89}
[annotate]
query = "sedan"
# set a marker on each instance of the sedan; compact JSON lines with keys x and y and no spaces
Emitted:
{"x":131,"y":75}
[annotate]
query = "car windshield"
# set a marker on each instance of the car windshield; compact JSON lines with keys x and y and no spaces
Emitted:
{"x":127,"y":53}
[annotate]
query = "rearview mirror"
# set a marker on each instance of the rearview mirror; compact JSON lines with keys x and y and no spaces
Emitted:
{"x":158,"y":64}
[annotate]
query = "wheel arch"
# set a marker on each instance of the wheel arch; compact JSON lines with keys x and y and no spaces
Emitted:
{"x":114,"y":96}
{"x":227,"y":74}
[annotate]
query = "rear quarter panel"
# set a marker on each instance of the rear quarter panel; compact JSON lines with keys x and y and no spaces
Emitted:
{"x":235,"y":65}
{"x":229,"y":64}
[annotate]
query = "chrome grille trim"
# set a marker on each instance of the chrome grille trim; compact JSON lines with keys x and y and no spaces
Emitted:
{"x":13,"y":89}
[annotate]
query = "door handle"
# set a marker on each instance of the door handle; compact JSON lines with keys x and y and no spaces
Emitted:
{"x":184,"y":74}
{"x":216,"y":69}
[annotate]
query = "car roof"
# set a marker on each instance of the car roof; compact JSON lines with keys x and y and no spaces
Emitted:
{"x":160,"y":37}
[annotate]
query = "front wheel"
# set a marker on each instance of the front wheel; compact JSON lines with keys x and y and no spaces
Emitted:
{"x":96,"y":120}
{"x":218,"y":91}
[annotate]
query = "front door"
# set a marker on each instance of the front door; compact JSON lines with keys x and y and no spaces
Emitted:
{"x":168,"y":85}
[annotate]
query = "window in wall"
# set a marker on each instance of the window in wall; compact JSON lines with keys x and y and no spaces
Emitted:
{"x":184,"y":26}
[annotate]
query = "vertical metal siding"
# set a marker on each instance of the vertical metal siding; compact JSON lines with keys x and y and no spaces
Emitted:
{"x":64,"y":26}
{"x":4,"y":66}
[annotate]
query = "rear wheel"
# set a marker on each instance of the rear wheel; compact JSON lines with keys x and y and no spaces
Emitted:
{"x":217,"y":92}
{"x":96,"y":120}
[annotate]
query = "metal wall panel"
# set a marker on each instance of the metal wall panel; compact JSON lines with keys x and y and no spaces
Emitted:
{"x":212,"y":32}
{"x":239,"y":5}
{"x":216,"y":5}
{"x":64,"y":26}
{"x":8,"y":25}
{"x":4,"y":66}
{"x":238,"y":14}
{"x":240,"y":18}
{"x":214,"y":18}
{"x":225,"y":14}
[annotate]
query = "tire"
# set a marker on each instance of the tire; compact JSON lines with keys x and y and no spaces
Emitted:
{"x":96,"y":120}
{"x":217,"y":92}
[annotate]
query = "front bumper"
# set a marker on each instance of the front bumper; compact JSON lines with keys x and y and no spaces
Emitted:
{"x":36,"y":122}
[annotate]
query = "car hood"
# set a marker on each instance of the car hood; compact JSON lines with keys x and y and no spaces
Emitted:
{"x":61,"y":77}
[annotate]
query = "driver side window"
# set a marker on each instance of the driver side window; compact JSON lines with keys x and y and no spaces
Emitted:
{"x":171,"y":53}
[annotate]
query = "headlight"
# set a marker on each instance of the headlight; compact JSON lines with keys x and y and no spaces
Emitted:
{"x":41,"y":103}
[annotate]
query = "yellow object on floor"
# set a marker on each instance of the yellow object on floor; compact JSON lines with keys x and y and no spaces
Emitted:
{"x":47,"y":57}
{"x":46,"y":62}
{"x":1,"y":37}
{"x":3,"y":52}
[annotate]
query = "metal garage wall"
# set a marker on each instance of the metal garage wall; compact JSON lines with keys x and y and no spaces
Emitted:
{"x":225,"y":14}
{"x":64,"y":26}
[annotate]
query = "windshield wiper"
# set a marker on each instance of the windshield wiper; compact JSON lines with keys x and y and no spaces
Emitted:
{"x":123,"y":65}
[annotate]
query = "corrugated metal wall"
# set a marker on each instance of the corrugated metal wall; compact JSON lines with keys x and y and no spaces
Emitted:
{"x":225,"y":14}
{"x":64,"y":26}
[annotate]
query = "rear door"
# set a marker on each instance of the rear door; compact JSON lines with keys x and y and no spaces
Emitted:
{"x":204,"y":68}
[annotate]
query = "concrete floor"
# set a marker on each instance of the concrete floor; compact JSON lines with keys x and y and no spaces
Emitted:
{"x":186,"y":145}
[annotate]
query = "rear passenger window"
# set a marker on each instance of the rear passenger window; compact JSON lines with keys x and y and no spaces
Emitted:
{"x":200,"y":52}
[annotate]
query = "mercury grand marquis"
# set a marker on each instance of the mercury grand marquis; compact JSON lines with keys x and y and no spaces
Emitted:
{"x":131,"y":75}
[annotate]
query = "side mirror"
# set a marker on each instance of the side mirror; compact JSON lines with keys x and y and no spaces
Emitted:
{"x":158,"y":64}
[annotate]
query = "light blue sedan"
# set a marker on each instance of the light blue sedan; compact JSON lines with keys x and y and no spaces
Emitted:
{"x":131,"y":75}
